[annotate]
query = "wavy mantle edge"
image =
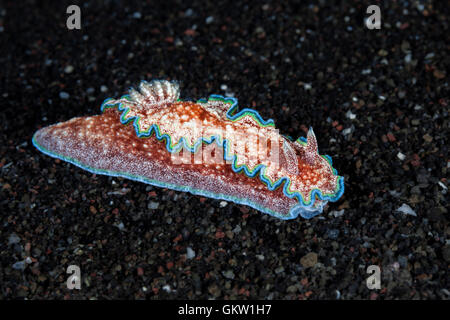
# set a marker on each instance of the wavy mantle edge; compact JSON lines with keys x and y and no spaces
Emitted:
{"x":293,"y":213}
{"x":304,"y":208}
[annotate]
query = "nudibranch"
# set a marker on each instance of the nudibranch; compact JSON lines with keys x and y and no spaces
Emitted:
{"x":207,"y":147}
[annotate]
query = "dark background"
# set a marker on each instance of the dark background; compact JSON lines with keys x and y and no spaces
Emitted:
{"x":368,"y":94}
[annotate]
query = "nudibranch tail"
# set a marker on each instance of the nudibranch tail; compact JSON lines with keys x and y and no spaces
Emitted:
{"x":205,"y":147}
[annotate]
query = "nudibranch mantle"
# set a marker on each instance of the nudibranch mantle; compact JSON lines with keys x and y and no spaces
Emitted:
{"x":293,"y":178}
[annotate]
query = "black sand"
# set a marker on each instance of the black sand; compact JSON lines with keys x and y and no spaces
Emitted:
{"x":377,"y":100}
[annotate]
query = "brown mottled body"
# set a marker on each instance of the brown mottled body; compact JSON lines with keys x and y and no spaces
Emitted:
{"x":102,"y":143}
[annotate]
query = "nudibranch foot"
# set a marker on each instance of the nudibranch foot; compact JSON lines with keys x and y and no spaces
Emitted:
{"x":204,"y":147}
